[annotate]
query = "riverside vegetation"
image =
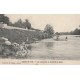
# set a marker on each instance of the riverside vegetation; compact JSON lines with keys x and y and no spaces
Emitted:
{"x":16,"y":38}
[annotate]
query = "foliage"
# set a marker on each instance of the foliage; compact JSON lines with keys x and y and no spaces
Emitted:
{"x":76,"y":32}
{"x":4,"y":19}
{"x":19,"y":36}
{"x":22,"y":24}
{"x":27,"y":24}
{"x":49,"y":30}
{"x":19,"y":23}
{"x":1,"y":17}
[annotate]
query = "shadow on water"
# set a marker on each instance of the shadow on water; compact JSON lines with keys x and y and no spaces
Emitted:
{"x":49,"y":45}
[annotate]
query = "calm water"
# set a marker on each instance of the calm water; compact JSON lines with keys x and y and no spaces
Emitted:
{"x":51,"y":49}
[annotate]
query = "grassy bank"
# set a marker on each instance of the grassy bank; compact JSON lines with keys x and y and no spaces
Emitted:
{"x":19,"y":36}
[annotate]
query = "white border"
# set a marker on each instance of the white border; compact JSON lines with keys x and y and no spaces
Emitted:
{"x":46,"y":72}
{"x":40,"y":6}
{"x":39,"y":72}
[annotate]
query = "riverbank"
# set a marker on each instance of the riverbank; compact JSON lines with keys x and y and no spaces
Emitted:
{"x":19,"y":36}
{"x":15,"y":42}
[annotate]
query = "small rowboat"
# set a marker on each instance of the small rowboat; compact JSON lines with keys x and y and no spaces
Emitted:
{"x":60,"y":39}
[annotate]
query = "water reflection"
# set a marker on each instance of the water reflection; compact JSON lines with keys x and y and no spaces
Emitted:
{"x":49,"y":49}
{"x":49,"y":45}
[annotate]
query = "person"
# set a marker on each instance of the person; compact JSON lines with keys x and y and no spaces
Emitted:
{"x":66,"y":38}
{"x":27,"y":39}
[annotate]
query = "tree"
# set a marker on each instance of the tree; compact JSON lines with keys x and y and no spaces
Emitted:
{"x":4,"y":19}
{"x":22,"y":24}
{"x":27,"y":24}
{"x":1,"y":17}
{"x":76,"y":31}
{"x":10,"y":23}
{"x":19,"y":23}
{"x":49,"y":30}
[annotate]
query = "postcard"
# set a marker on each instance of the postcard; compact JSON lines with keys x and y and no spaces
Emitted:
{"x":40,"y":39}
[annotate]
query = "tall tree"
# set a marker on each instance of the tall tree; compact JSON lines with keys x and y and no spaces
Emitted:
{"x":49,"y":30}
{"x":19,"y":23}
{"x":22,"y":24}
{"x":27,"y":24}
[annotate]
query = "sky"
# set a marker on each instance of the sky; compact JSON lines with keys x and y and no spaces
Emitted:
{"x":60,"y":22}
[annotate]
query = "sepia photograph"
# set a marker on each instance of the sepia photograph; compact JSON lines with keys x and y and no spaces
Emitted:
{"x":39,"y":39}
{"x":31,"y":37}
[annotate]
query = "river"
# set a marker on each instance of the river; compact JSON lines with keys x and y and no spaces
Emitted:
{"x":56,"y":50}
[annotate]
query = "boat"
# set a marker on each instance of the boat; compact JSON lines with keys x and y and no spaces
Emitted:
{"x":60,"y":39}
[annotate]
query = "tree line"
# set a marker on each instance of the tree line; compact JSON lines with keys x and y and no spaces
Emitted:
{"x":48,"y":30}
{"x":74,"y":32}
{"x":19,"y":23}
